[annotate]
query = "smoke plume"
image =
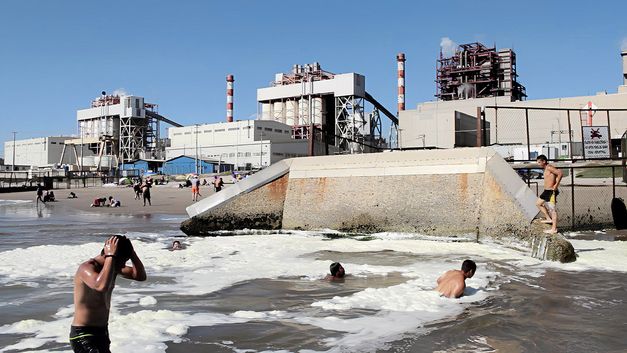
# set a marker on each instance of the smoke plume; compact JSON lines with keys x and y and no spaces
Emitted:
{"x":448,"y":47}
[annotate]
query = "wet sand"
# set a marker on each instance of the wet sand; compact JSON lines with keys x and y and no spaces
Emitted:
{"x":166,"y":199}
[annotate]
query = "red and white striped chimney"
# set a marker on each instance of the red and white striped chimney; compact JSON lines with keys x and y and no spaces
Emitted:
{"x":229,"y":98}
{"x":400,"y":60}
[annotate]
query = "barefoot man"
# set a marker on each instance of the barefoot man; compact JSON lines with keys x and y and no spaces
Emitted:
{"x":452,"y":283}
{"x":93,"y":285}
{"x":552,"y":178}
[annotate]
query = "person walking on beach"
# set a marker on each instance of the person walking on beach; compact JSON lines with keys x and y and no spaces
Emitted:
{"x":195,"y":188}
{"x":40,"y":193}
{"x":137,"y":187}
{"x":93,"y":285}
{"x":452,"y":283}
{"x":146,"y":191}
{"x":547,"y":200}
{"x":218,"y":184}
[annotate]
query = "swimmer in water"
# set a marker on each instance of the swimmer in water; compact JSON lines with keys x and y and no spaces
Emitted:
{"x":452,"y":283}
{"x":337,"y":272}
{"x":93,"y":284}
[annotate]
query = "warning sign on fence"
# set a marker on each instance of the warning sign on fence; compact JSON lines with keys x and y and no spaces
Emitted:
{"x":596,"y":142}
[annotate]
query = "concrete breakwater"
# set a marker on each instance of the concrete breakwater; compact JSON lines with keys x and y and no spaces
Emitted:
{"x":470,"y":192}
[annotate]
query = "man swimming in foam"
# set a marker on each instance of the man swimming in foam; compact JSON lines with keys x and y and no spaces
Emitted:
{"x":93,"y":285}
{"x":452,"y":283}
{"x":337,"y":272}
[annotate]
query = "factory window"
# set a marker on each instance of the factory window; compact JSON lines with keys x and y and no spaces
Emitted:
{"x":233,"y":128}
{"x":278,"y":130}
{"x":247,"y":127}
{"x":177,"y":133}
{"x":188,"y":133}
{"x":287,"y":132}
{"x":231,"y":154}
{"x":268,"y":129}
{"x":247,"y":154}
{"x":219,"y":130}
{"x":277,"y":154}
{"x":54,"y":143}
{"x":258,"y":127}
{"x":207,"y":130}
{"x":256,"y":154}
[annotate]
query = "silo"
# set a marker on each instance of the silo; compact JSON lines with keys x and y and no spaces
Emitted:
{"x":303,"y":111}
{"x":265,"y":111}
{"x":316,"y":110}
{"x":278,"y":112}
{"x":291,"y":112}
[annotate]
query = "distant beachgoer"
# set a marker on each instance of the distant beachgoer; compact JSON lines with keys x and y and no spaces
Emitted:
{"x":40,"y":193}
{"x":113,"y":202}
{"x":137,"y":187}
{"x":93,"y":285}
{"x":99,"y":202}
{"x":452,"y":283}
{"x":195,"y":188}
{"x":72,"y":195}
{"x":49,"y":196}
{"x":337,"y":272}
{"x":204,"y":182}
{"x":547,"y":201}
{"x":176,"y":245}
{"x":146,"y":191}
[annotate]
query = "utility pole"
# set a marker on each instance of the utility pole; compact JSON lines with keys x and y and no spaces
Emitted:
{"x":196,"y":133}
{"x":13,"y":161}
{"x":261,"y":151}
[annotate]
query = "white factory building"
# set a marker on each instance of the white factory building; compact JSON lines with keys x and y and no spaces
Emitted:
{"x":247,"y":144}
{"x":40,"y":152}
{"x":437,"y":124}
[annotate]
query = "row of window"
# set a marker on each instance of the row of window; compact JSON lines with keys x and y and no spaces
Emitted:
{"x":280,"y":131}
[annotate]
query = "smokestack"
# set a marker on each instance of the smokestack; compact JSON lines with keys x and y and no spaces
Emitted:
{"x":229,"y":98}
{"x":400,"y":60}
{"x":623,"y":54}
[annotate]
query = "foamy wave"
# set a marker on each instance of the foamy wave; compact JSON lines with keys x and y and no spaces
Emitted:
{"x":14,"y":202}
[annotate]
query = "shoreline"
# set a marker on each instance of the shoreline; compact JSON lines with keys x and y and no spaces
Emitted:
{"x":166,"y":199}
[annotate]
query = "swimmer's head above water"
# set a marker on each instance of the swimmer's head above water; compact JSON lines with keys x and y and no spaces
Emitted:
{"x":337,"y":270}
{"x":468,"y":268}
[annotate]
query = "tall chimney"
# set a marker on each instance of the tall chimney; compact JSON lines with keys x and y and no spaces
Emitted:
{"x":400,"y":60}
{"x":624,"y":55}
{"x":229,"y":98}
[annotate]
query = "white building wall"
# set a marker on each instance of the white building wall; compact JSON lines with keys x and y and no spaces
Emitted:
{"x":434,"y":121}
{"x":255,"y":142}
{"x":38,"y":152}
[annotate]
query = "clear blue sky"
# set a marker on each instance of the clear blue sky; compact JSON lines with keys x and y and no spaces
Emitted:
{"x":56,"y":56}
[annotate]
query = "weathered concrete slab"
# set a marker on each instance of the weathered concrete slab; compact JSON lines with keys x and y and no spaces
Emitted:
{"x":469,"y":191}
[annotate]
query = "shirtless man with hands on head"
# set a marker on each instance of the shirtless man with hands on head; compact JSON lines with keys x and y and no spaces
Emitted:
{"x":93,"y":284}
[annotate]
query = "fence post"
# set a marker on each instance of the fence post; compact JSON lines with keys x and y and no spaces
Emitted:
{"x":479,"y":133}
{"x":570,"y":137}
{"x":528,"y":138}
{"x":609,"y":131}
{"x":496,"y":125}
{"x":572,"y":197}
{"x":613,"y":184}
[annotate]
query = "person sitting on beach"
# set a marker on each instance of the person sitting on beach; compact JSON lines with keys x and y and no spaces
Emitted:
{"x":452,"y":283}
{"x":337,"y":272}
{"x":176,"y":245}
{"x":99,"y":202}
{"x":49,"y":196}
{"x":72,"y":195}
{"x":93,"y":286}
{"x":113,"y":202}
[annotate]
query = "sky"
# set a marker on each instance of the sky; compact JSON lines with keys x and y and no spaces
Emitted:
{"x":56,"y":56}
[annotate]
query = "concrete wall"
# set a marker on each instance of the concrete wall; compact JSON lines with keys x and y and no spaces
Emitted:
{"x":467,"y":191}
{"x":38,"y":152}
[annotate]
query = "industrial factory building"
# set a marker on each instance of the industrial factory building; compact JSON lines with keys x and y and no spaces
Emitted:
{"x":41,"y":152}
{"x":479,"y":77}
{"x":313,"y":101}
{"x":245,"y":144}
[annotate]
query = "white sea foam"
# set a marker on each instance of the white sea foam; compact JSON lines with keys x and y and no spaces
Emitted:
{"x":210,"y":264}
{"x":14,"y":202}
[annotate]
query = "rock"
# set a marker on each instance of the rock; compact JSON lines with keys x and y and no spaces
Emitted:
{"x":552,"y":247}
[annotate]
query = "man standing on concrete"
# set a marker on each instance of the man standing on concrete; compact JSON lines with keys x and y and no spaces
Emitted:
{"x":452,"y":283}
{"x":547,"y":200}
{"x":93,"y":286}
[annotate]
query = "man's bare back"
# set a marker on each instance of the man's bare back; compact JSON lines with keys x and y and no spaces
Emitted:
{"x":453,"y":282}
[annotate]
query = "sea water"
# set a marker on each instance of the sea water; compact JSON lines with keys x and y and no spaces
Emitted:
{"x":261,"y":291}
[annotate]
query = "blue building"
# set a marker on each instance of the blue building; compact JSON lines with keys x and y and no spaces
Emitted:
{"x":186,"y":165}
{"x":143,"y":166}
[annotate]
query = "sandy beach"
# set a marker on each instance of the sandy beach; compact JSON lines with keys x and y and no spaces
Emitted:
{"x":166,"y":199}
